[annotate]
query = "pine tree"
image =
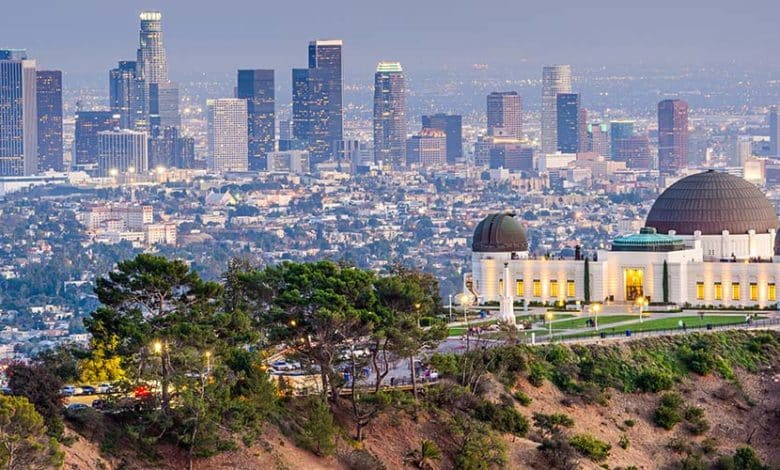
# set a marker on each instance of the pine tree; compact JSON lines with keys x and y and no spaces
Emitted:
{"x":665,"y":283}
{"x":587,"y":280}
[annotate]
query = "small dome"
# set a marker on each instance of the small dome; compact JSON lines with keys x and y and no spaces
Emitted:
{"x":499,"y":233}
{"x":711,"y":202}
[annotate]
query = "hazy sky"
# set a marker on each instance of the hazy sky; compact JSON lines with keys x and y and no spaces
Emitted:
{"x":85,"y":37}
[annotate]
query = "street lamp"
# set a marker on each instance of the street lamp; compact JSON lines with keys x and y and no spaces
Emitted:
{"x":596,"y":308}
{"x":208,"y":362}
{"x":450,"y":308}
{"x":548,"y":316}
{"x":157,"y":347}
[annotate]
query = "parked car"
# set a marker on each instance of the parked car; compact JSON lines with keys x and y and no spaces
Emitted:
{"x":99,"y":404}
{"x":284,"y":366}
{"x":6,"y":391}
{"x":68,"y":390}
{"x":104,"y":389}
{"x":87,"y":390}
{"x":77,"y":407}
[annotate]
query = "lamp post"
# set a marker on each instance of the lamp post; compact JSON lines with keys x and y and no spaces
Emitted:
{"x":596,"y":308}
{"x":450,"y":308}
{"x":548,"y":317}
{"x":208,"y":362}
{"x":159,"y":349}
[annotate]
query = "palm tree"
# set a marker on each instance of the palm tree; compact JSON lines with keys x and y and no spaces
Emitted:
{"x":424,"y":457}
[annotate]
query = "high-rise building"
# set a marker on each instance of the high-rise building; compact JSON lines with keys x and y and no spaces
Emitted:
{"x":452,"y":126}
{"x":170,"y":149}
{"x":152,"y":64}
{"x":18,"y":114}
{"x":505,"y":114}
{"x":555,"y":79}
{"x":163,"y":107}
{"x":317,"y":99}
{"x":227,"y":135}
{"x":427,"y":148}
{"x":515,"y":156}
{"x":122,"y":151}
{"x":672,"y":136}
{"x":389,"y":114}
{"x":128,"y":95}
{"x":598,"y":139}
{"x":49,"y":104}
{"x":635,"y":151}
{"x":619,"y":130}
{"x":257,"y":88}
{"x":568,"y":113}
{"x":774,"y":132}
{"x":88,"y":124}
{"x":290,"y":161}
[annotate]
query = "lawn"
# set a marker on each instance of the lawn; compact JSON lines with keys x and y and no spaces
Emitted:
{"x":580,"y":322}
{"x":657,"y":324}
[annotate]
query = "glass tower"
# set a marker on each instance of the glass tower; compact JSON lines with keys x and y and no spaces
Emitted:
{"x":389,"y":115}
{"x":49,"y":103}
{"x":18,"y":114}
{"x":257,"y":88}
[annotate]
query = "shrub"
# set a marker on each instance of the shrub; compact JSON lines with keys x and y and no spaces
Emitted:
{"x":679,"y":445}
{"x":699,"y":361}
{"x":537,"y":375}
{"x":630,"y":423}
{"x":478,"y":448}
{"x":318,"y":432}
{"x":624,"y":442}
{"x":669,"y":412}
{"x":551,"y":424}
{"x":558,"y":453}
{"x":745,"y":458}
{"x":522,"y":397}
{"x":697,"y":422}
{"x":709,"y":446}
{"x":653,"y":380}
{"x":502,"y":418}
{"x":692,"y":462}
{"x":592,"y":448}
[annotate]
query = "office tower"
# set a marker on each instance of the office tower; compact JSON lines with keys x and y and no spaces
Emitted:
{"x":389,"y":115}
{"x":672,"y":136}
{"x":49,"y":104}
{"x":257,"y":88}
{"x":635,"y":151}
{"x":122,"y":151}
{"x":511,"y":156}
{"x":568,"y":128}
{"x":774,"y":132}
{"x":348,"y":155}
{"x":88,"y":124}
{"x":743,"y":150}
{"x":290,"y":161}
{"x":128,"y":95}
{"x":598,"y":139}
{"x":163,"y":107}
{"x":505,"y":114}
{"x":18,"y":114}
{"x":170,"y":149}
{"x":427,"y":148}
{"x":227,"y":135}
{"x":317,"y":99}
{"x":619,"y":130}
{"x":452,"y":126}
{"x":152,"y":64}
{"x":285,"y":129}
{"x":555,"y":79}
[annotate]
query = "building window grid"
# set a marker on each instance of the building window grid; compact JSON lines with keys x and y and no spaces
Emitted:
{"x":699,"y":291}
{"x":570,"y":288}
{"x":519,"y":288}
{"x":771,"y":292}
{"x":718,"y":291}
{"x":735,"y":293}
{"x":537,"y":288}
{"x":753,"y":291}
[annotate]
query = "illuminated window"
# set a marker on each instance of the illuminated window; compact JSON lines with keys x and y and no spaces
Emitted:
{"x":699,"y":291}
{"x":753,"y":291}
{"x":519,"y":288}
{"x":537,"y":288}
{"x":718,"y":291}
{"x":501,"y":287}
{"x":570,"y":288}
{"x":734,"y":291}
{"x":553,"y":288}
{"x":771,"y":292}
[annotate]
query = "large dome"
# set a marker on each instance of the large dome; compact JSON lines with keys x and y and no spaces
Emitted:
{"x":499,"y":233}
{"x":712,"y":202}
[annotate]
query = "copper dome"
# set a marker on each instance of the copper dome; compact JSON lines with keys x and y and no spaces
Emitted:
{"x":712,"y":202}
{"x":499,"y":233}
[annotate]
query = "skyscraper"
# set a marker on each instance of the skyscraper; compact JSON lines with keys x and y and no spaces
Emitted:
{"x":452,"y":125}
{"x":598,"y":139}
{"x":128,"y":95}
{"x":568,"y":113}
{"x":227,"y":135}
{"x":122,"y":151}
{"x":619,"y":130}
{"x":672,"y":136}
{"x":505,"y":114}
{"x":152,"y":68}
{"x":774,"y":132}
{"x":317,"y":99}
{"x":152,"y":64}
{"x":88,"y":124}
{"x":49,"y":104}
{"x":389,"y":114}
{"x":257,"y":88}
{"x":18,"y":114}
{"x":555,"y":79}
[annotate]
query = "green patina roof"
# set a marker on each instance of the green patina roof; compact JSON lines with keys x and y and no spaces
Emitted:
{"x":647,"y":240}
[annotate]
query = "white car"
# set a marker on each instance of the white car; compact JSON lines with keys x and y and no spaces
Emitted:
{"x":285,"y":366}
{"x":104,"y":389}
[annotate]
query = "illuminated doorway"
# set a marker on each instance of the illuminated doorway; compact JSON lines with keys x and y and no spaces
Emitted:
{"x":634,"y":280}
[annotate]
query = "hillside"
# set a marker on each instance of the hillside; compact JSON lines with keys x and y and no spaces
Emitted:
{"x":739,"y":396}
